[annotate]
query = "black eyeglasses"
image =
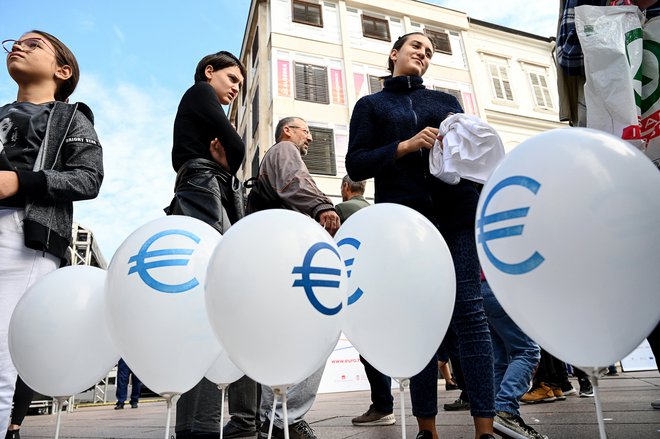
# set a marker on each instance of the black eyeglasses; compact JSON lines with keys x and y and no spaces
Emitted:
{"x":28,"y":45}
{"x":299,"y":128}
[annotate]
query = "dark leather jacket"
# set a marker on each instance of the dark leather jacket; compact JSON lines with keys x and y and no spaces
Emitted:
{"x":206,"y":191}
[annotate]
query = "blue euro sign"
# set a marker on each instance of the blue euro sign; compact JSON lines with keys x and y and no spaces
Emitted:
{"x":306,"y":270}
{"x":142,"y":267}
{"x":349,"y":263}
{"x":528,"y":264}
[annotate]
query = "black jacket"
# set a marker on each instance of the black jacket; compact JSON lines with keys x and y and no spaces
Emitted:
{"x":378,"y":124}
{"x":69,"y":167}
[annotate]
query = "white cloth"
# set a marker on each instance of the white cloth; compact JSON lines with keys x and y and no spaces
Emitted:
{"x":471,"y":149}
{"x":20,"y":267}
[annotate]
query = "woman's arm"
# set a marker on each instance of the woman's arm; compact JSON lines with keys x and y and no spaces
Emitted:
{"x":364,"y":159}
{"x":80,"y":174}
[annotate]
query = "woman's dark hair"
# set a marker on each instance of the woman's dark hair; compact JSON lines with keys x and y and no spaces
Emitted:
{"x":218,"y":61}
{"x":399,"y":43}
{"x":64,"y":57}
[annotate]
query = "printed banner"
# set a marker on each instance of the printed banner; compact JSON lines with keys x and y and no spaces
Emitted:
{"x":337,"y":86}
{"x":283,"y":79}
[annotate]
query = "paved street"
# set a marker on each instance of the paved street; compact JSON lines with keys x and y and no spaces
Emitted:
{"x":625,"y":400}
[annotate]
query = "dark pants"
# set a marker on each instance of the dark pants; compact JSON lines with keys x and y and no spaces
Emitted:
{"x":469,"y":322}
{"x":198,"y":410}
{"x":22,"y":400}
{"x":381,"y":384}
{"x":552,"y":370}
{"x":123,"y":372}
{"x":244,"y":401}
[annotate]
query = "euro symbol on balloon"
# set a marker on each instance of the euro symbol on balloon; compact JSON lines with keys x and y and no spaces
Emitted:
{"x":142,"y":267}
{"x":306,"y":270}
{"x":535,"y":259}
{"x":349,"y":263}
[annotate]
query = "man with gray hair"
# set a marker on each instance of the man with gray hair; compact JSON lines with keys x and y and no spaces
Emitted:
{"x":352,"y":194}
{"x":284,"y":182}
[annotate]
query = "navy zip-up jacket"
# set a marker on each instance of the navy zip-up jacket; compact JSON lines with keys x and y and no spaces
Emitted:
{"x":378,"y":124}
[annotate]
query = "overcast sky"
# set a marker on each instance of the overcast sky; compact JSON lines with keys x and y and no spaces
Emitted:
{"x":138,"y":57}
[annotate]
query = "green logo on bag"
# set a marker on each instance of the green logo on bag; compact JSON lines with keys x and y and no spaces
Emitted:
{"x":652,"y":50}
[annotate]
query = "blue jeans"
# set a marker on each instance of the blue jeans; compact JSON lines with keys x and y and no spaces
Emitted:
{"x":516,"y":355}
{"x":469,"y":322}
{"x":123,"y":373}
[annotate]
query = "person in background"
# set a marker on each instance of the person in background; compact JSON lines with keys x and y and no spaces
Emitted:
{"x":381,"y":410}
{"x":516,"y":357}
{"x":570,"y":59}
{"x":284,"y":182}
{"x":390,"y":135}
{"x":50,"y":156}
{"x":352,"y":195}
{"x":551,"y":382}
{"x":123,"y":374}
{"x":449,"y":350}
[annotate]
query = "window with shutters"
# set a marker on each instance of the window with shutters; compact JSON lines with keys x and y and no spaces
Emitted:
{"x":307,"y":13}
{"x":451,"y":91}
{"x":540,"y":90}
{"x":320,"y":158}
{"x":312,"y":83}
{"x":440,"y":41}
{"x":255,"y":111}
{"x":375,"y":84}
{"x":377,"y":28}
{"x":499,"y":77}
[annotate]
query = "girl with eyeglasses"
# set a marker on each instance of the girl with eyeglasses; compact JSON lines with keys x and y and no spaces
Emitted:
{"x":391,"y":133}
{"x":50,"y":156}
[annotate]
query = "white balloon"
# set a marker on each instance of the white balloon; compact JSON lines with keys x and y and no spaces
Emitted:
{"x":568,"y":237}
{"x":223,"y":371}
{"x":156,"y":309}
{"x":58,"y":335}
{"x":401,"y":287}
{"x":266,"y":307}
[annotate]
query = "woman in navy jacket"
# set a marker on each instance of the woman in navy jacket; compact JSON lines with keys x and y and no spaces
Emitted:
{"x":391,"y":133}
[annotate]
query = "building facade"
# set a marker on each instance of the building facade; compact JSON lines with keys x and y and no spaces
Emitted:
{"x":315,"y":59}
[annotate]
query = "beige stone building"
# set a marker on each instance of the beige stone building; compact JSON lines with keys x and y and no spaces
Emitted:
{"x":315,"y":59}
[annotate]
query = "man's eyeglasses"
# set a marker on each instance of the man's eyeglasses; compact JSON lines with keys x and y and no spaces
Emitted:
{"x":28,"y":44}
{"x":298,"y":128}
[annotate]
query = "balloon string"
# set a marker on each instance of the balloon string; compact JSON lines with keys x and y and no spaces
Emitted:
{"x":169,"y":417}
{"x":286,"y":416}
{"x":599,"y":408}
{"x":272,"y":416}
{"x":402,"y":392}
{"x":60,"y":402}
{"x":222,"y":408}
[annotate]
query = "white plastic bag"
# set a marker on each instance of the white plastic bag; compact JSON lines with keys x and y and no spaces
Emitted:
{"x":650,"y":102}
{"x":611,"y":40}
